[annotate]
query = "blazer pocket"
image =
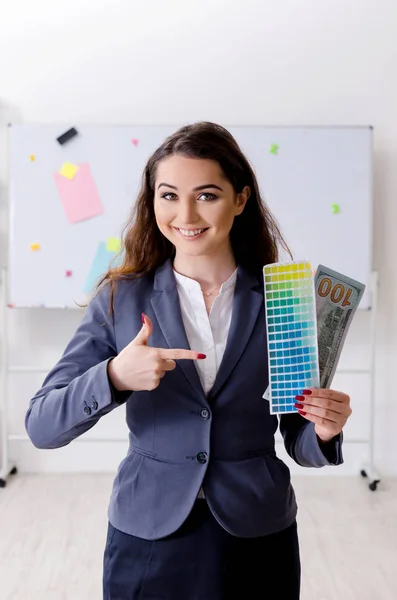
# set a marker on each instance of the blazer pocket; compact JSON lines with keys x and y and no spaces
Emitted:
{"x":143,"y":452}
{"x":277,"y":471}
{"x":130,"y":468}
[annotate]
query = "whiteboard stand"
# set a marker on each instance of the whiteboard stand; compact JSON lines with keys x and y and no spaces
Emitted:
{"x":369,"y":469}
{"x":6,"y":468}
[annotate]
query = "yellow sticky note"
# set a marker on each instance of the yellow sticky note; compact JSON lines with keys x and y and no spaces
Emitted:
{"x":113,"y":244}
{"x":32,"y":157}
{"x":34,"y":247}
{"x":68,"y":170}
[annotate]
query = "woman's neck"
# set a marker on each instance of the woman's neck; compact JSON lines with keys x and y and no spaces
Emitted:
{"x":207,"y":270}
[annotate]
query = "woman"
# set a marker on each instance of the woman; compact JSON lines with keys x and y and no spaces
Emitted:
{"x":201,"y":508}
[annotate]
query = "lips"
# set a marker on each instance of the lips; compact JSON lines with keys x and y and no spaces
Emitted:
{"x":191,"y":233}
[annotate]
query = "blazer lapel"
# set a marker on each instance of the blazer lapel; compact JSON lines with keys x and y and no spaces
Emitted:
{"x":247,"y":303}
{"x":166,"y":307}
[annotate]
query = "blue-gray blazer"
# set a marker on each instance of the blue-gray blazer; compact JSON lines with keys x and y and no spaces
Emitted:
{"x":179,"y":438}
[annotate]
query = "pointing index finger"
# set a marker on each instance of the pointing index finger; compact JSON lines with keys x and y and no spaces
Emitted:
{"x":181,"y":354}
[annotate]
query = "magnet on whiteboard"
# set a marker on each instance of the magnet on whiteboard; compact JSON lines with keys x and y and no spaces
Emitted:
{"x":34,"y":247}
{"x":68,"y":135}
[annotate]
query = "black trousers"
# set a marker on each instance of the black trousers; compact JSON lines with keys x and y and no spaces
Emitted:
{"x":201,"y":561}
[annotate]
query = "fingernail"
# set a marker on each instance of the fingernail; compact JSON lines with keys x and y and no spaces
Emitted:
{"x":143,"y":318}
{"x":300,"y":398}
{"x":307,"y":392}
{"x":301,"y":412}
{"x":298,"y":405}
{"x":201,"y":356}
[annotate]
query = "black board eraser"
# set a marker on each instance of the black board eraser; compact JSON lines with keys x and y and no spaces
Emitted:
{"x":68,"y":135}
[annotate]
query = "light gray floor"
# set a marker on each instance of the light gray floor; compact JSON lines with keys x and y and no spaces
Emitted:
{"x":52,"y":533}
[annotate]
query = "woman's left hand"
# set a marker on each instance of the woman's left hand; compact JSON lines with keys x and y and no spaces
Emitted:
{"x":327,"y":409}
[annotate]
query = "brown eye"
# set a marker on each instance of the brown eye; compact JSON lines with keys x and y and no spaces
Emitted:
{"x":169,"y":196}
{"x":206,"y":196}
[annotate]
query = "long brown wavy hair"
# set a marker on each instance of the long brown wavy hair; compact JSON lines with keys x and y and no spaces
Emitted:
{"x":255,"y":235}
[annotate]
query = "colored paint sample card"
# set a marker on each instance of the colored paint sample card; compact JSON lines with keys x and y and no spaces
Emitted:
{"x":79,"y":195}
{"x":291,"y":333}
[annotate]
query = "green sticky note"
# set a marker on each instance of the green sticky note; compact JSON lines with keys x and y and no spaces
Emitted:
{"x":274,"y":149}
{"x":113,"y":244}
{"x":335,"y":208}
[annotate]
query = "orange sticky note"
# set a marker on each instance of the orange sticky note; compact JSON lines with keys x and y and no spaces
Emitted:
{"x":34,"y":247}
{"x":79,"y":196}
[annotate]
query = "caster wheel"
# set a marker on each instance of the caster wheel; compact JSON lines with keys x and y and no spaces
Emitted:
{"x":14,"y":471}
{"x":363,"y":473}
{"x":3,"y":483}
{"x":373,"y":485}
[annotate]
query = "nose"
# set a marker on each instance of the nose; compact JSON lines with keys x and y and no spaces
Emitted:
{"x":187,"y":213}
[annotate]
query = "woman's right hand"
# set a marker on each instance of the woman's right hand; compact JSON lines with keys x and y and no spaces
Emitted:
{"x":139,"y":367}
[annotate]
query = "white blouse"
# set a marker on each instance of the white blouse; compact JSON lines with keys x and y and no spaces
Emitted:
{"x":206,"y":333}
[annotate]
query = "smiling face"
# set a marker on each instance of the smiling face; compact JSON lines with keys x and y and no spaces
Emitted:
{"x":195,"y":205}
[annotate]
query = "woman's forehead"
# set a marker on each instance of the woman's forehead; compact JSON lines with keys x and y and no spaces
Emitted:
{"x":187,"y":170}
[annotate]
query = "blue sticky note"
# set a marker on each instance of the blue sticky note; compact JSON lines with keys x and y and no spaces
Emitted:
{"x":99,"y":267}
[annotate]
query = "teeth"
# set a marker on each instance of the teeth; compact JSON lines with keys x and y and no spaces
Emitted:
{"x":190,"y":233}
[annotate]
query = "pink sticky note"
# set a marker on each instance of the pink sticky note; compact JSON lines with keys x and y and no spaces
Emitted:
{"x":79,"y":196}
{"x":68,"y":273}
{"x":135,"y":142}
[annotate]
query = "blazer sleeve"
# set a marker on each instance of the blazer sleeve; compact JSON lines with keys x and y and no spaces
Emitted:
{"x":77,"y":392}
{"x":303,"y":445}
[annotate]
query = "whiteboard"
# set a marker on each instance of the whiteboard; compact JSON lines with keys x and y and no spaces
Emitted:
{"x":302,"y":173}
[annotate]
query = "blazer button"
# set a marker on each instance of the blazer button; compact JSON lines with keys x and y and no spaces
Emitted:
{"x":202,"y":457}
{"x":87,"y":410}
{"x":205,"y":414}
{"x":94,"y":405}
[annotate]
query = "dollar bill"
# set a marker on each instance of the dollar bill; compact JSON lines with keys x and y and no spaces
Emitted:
{"x":337,"y":299}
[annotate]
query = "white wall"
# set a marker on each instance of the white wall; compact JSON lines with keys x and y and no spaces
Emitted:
{"x":256,"y":62}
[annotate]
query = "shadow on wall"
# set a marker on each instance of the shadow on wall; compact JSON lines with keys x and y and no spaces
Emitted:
{"x":387,"y":311}
{"x":9,"y":114}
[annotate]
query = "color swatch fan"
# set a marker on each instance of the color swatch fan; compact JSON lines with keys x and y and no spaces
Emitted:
{"x":291,"y":332}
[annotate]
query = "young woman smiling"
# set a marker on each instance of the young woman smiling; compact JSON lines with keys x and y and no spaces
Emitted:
{"x":201,"y":508}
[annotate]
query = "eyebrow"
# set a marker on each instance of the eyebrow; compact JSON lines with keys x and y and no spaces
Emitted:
{"x":196,"y":189}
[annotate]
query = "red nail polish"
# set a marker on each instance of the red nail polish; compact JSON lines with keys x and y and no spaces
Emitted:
{"x":201,"y":356}
{"x":307,"y":392}
{"x":301,"y":412}
{"x":143,"y":318}
{"x":300,"y":398}
{"x":298,"y":405}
